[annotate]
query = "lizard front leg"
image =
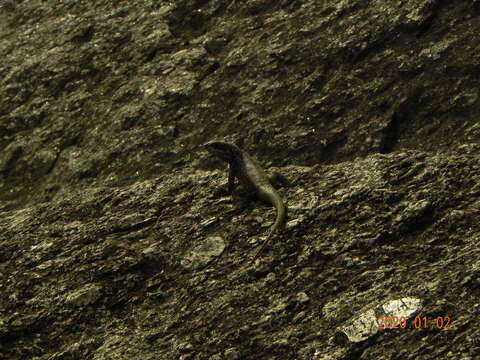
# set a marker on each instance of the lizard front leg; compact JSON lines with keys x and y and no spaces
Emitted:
{"x":231,"y":180}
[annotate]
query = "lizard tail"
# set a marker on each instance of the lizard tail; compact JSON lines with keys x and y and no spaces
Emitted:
{"x":281,"y":215}
{"x":279,"y":221}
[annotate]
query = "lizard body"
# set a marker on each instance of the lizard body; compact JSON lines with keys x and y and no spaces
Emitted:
{"x":251,"y":175}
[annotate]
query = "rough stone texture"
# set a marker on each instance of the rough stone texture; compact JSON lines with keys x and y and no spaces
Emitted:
{"x":114,"y":240}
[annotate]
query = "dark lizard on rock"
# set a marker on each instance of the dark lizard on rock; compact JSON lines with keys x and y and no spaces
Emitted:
{"x":251,"y":175}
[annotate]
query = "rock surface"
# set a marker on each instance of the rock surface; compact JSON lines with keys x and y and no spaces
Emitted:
{"x":114,"y":240}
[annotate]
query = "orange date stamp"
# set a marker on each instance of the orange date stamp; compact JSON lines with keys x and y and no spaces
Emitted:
{"x":418,"y":322}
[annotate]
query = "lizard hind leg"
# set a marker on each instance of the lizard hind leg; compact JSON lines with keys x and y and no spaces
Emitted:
{"x":279,"y":180}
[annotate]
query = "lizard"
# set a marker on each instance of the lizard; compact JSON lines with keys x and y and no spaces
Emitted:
{"x":252,"y":176}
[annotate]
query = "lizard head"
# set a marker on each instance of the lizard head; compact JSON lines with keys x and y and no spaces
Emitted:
{"x":224,"y":151}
